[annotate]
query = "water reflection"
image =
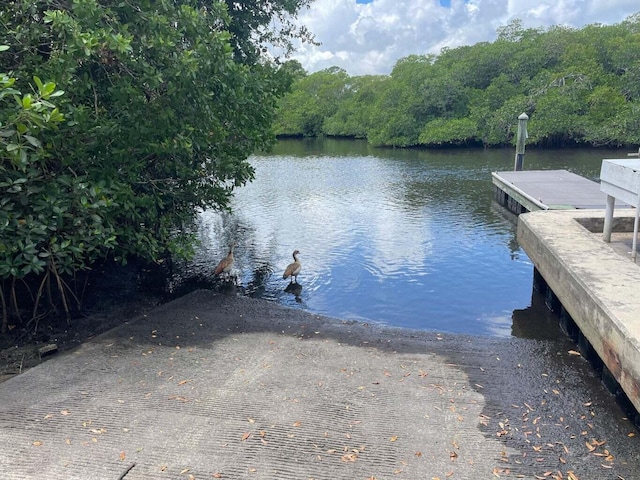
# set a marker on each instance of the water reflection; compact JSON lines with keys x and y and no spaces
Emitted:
{"x":295,"y":289}
{"x":403,"y":237}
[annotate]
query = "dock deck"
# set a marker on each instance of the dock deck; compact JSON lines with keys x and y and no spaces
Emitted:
{"x":534,"y":190}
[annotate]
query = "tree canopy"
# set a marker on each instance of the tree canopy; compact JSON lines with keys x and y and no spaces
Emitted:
{"x":120,"y":121}
{"x":578,"y":86}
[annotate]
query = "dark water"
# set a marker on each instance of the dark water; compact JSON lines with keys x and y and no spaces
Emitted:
{"x":408,"y":238}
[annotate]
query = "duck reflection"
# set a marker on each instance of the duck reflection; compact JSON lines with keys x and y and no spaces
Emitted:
{"x":294,"y":289}
{"x":230,"y":287}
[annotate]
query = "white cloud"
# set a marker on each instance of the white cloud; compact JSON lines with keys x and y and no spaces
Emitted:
{"x":370,"y":38}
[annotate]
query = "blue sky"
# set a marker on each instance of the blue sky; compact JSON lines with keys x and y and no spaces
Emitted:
{"x":367,"y":37}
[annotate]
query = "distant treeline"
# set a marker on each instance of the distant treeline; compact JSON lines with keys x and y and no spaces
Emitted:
{"x":579,"y":87}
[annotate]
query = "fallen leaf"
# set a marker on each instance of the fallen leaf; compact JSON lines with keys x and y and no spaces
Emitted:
{"x":65,"y":412}
{"x":297,"y":424}
{"x":217,"y":475}
{"x":37,"y":443}
{"x":245,"y":435}
{"x":573,"y":352}
{"x":394,"y":438}
{"x":182,"y":472}
{"x":123,"y":455}
{"x":349,"y":457}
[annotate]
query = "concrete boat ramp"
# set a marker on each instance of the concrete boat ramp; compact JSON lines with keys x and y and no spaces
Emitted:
{"x":220,"y":386}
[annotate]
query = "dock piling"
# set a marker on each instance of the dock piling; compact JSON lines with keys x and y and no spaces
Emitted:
{"x":520,"y":142}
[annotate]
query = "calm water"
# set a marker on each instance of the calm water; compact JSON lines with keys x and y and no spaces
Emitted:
{"x":407,"y":238}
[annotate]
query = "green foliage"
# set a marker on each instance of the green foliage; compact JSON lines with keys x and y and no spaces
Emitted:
{"x":577,"y":86}
{"x":313,"y":99}
{"x":354,"y":116}
{"x":454,"y":131}
{"x":163,"y":103}
{"x":51,"y":218}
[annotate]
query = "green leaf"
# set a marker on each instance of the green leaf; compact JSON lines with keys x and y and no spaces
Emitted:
{"x":27,"y":101}
{"x":38,"y":83}
{"x":33,"y":141}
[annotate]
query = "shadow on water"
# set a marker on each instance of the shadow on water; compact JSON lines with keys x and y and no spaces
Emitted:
{"x":536,"y":321}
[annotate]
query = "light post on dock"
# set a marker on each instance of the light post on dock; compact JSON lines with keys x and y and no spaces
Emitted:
{"x":522,"y":138}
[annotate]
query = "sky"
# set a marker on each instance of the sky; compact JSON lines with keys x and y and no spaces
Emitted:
{"x":367,"y":37}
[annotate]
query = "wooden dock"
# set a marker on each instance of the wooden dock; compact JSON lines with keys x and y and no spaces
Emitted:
{"x":531,"y":190}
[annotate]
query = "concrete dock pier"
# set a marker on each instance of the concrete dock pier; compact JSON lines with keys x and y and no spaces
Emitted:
{"x":590,"y":281}
{"x":595,"y":282}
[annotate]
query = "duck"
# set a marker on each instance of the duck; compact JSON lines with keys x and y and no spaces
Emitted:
{"x":293,"y":269}
{"x":225,"y":265}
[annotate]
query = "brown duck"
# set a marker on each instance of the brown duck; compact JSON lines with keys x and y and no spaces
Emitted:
{"x":293,"y":269}
{"x":225,"y":265}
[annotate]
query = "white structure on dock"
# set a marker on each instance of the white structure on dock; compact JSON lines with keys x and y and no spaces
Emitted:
{"x":620,"y":180}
